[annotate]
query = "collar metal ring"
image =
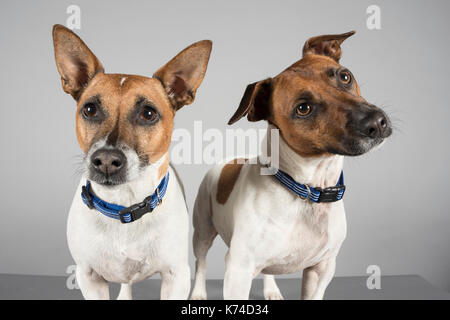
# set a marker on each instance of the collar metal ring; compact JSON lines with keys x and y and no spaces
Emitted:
{"x":309,"y":192}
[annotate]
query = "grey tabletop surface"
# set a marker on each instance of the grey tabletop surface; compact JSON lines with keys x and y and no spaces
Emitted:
{"x":341,"y":288}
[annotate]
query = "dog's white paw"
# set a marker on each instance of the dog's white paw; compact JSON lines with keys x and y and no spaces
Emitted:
{"x":273,"y":295}
{"x":198,"y":293}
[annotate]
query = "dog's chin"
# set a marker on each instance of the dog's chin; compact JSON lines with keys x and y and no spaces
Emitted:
{"x":356,"y":147}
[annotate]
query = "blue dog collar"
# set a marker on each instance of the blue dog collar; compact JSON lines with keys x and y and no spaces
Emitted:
{"x":125,"y":214}
{"x":330,"y":194}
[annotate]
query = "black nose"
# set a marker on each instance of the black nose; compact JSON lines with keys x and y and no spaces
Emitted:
{"x":375,"y":125}
{"x":108,"y":161}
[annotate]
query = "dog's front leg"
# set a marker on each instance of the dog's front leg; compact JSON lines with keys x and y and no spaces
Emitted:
{"x":271,"y":290}
{"x":239,"y":273}
{"x":316,"y":279}
{"x":92,"y":285}
{"x":176,"y":283}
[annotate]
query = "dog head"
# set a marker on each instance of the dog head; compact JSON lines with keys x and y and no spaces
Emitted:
{"x":124,"y":122}
{"x":316,"y":104}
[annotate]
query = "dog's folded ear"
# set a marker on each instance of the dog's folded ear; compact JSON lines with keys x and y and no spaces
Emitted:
{"x":76,"y":64}
{"x":328,"y":45}
{"x":255,"y":103}
{"x":182,"y":75}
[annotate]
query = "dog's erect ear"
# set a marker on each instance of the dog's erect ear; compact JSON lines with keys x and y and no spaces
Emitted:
{"x":328,"y":45}
{"x":255,"y":103}
{"x":182,"y":75}
{"x":76,"y":64}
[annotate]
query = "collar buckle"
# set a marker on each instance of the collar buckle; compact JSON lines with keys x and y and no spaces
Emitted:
{"x":136,"y":211}
{"x":331,"y":194}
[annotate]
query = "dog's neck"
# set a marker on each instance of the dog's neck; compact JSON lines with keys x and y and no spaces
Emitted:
{"x":320,"y":171}
{"x":135,"y":190}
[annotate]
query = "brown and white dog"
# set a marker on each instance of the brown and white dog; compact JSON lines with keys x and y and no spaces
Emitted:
{"x":317,"y":106}
{"x":124,"y":125}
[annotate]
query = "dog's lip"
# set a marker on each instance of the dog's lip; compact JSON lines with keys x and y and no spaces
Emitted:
{"x":112,"y":182}
{"x":346,"y":150}
{"x":107,"y":181}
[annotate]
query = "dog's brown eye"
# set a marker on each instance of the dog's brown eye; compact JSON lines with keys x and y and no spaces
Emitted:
{"x":148,"y":114}
{"x":345,"y":77}
{"x":90,"y":110}
{"x":303,"y":109}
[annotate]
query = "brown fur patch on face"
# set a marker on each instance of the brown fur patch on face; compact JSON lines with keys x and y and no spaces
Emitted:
{"x":118,"y":100}
{"x":228,"y":176}
{"x":163,"y":167}
{"x":312,"y":80}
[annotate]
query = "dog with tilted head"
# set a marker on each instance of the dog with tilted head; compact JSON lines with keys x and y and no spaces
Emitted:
{"x":293,"y":220}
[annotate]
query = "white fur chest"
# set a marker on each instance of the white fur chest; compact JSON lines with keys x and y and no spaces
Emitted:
{"x":116,"y":252}
{"x":304,"y":236}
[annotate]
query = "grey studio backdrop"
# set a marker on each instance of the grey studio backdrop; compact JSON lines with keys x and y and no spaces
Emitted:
{"x":397,"y":200}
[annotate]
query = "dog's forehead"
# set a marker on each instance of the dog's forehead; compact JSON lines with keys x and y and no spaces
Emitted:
{"x":299,"y":77}
{"x":123,"y":90}
{"x":311,"y":73}
{"x":312,"y":66}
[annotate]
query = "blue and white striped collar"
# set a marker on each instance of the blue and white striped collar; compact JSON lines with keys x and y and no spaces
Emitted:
{"x":125,"y":214}
{"x":314,"y":194}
